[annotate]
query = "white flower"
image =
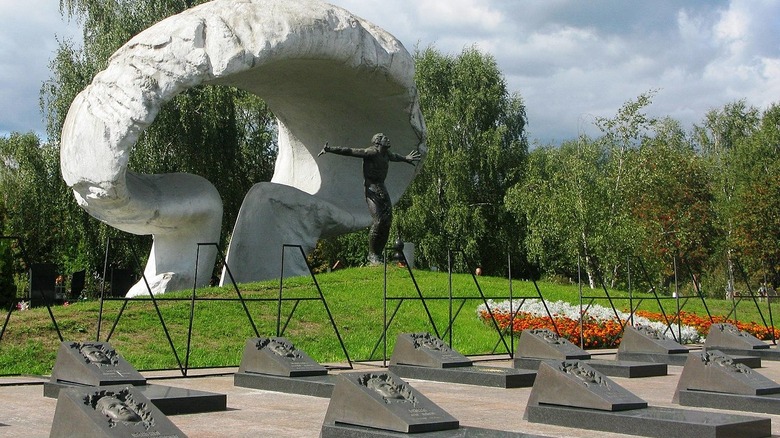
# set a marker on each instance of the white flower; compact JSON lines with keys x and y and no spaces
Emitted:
{"x":536,"y":308}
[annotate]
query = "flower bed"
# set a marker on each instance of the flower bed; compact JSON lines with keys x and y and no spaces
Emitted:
{"x":702,"y":324}
{"x":600,"y":328}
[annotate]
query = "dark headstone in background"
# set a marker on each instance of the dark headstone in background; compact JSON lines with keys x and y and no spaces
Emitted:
{"x":43,"y":279}
{"x":278,"y":357}
{"x":424,"y":350}
{"x":545,"y":344}
{"x":727,"y":336}
{"x":645,"y":339}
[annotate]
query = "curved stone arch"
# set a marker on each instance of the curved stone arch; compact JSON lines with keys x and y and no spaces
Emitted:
{"x":326,"y":74}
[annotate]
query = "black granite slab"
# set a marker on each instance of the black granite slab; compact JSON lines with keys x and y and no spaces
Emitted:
{"x":537,"y":345}
{"x":348,"y":431}
{"x":653,"y":422}
{"x":275,"y":364}
{"x":576,"y":384}
{"x":724,"y":336}
{"x":109,"y":411}
{"x":545,"y":344}
{"x":169,"y":399}
{"x":679,"y":359}
{"x":93,"y":363}
{"x":425,"y":350}
{"x":278,"y":357}
{"x":316,"y":386}
{"x":768,"y":404}
{"x":772,"y":354}
{"x":613,"y":368}
{"x":499,"y":377}
{"x":572,"y":394}
{"x":382,"y":400}
{"x":715,"y":371}
{"x":426,"y":357}
{"x":646,"y":339}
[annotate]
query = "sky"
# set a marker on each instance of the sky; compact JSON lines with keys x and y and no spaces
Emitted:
{"x":570,"y":60}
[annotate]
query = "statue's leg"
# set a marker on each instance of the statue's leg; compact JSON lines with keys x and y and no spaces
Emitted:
{"x":381,"y":210}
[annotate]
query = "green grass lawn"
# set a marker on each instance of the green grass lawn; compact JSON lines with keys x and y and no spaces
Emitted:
{"x":355,"y":300}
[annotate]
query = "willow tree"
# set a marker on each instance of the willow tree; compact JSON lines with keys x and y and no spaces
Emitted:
{"x":476,"y":151}
{"x":223,"y":134}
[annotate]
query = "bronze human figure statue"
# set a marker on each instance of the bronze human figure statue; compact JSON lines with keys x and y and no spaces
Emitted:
{"x":376,"y":160}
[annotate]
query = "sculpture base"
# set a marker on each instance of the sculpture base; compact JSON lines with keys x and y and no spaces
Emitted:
{"x":350,"y":431}
{"x":613,"y":368}
{"x":768,"y":404}
{"x":316,"y":386}
{"x":653,"y":422}
{"x":679,"y":359}
{"x":471,"y":375}
{"x":763,"y":353}
{"x":168,"y":399}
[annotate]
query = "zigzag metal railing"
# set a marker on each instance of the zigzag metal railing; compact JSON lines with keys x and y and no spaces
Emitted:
{"x":14,"y":302}
{"x":452,"y":315}
{"x":736,"y":300}
{"x":400,"y":300}
{"x":279,"y":328}
{"x":681,"y":302}
{"x":125,"y":300}
{"x":514,"y":312}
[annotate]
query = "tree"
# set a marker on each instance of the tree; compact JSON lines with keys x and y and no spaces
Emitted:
{"x":671,"y":203}
{"x":476,"y":150}
{"x":574,"y":199}
{"x":756,"y":201}
{"x":721,"y":137}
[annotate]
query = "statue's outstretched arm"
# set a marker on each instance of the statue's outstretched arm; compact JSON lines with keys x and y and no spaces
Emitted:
{"x":349,"y":152}
{"x":412,"y":157}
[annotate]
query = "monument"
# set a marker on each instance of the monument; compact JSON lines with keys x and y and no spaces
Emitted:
{"x":426,"y":357}
{"x":381,"y":404}
{"x":731,"y":340}
{"x":325,"y":74}
{"x":537,"y":345}
{"x":275,"y":364}
{"x":574,"y":394}
{"x":644,"y":343}
{"x":97,"y":365}
{"x":111,"y":411}
{"x":712,"y":379}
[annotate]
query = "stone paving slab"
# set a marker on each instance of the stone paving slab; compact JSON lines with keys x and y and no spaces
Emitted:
{"x":25,"y":412}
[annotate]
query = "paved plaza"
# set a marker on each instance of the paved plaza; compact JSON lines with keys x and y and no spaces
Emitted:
{"x":25,"y":412}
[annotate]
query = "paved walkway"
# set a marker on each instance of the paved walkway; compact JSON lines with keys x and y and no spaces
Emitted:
{"x":25,"y":412}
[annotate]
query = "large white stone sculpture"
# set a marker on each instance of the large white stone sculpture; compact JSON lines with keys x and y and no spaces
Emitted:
{"x":326,"y":74}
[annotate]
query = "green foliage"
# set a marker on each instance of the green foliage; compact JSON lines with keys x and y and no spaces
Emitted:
{"x":476,"y":151}
{"x":671,"y":203}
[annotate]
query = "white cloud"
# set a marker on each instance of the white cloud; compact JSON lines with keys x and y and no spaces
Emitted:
{"x":464,"y":14}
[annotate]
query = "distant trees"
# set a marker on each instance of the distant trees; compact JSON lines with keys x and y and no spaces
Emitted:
{"x":476,"y":150}
{"x":707,"y":199}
